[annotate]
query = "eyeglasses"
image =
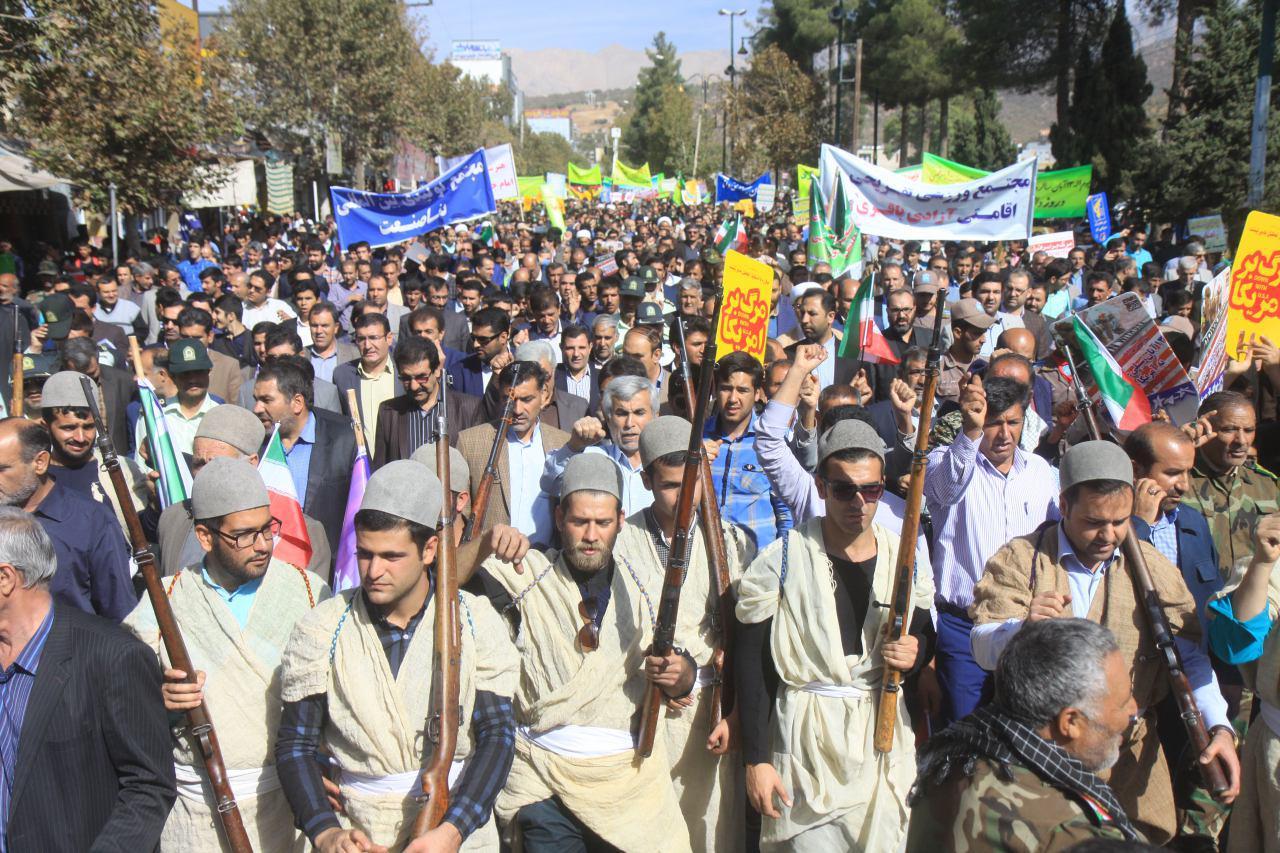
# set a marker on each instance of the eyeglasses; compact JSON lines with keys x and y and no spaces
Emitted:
{"x":484,"y":340}
{"x":369,"y":339}
{"x":844,"y":491}
{"x":589,"y":633}
{"x":246,"y":538}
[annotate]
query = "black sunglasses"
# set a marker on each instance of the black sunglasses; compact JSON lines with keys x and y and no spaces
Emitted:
{"x":844,"y":491}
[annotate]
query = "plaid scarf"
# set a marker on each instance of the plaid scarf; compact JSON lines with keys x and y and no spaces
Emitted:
{"x":1003,"y":740}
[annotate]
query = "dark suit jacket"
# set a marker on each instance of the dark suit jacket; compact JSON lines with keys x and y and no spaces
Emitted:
{"x":347,"y":378}
{"x":95,"y":760}
{"x":897,"y":459}
{"x":392,"y":441}
{"x":1197,"y":556}
{"x":329,"y":476}
{"x":565,"y":409}
{"x":468,"y":376}
{"x":562,"y":384}
{"x":457,"y":331}
{"x":115,"y":336}
{"x":117,"y":390}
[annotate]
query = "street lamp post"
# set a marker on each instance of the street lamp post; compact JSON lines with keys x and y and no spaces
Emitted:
{"x":725,"y":162}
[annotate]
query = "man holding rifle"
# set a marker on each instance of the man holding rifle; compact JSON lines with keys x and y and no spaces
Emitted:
{"x":236,"y":608}
{"x":708,"y":784}
{"x":810,"y":626}
{"x":1076,"y":568}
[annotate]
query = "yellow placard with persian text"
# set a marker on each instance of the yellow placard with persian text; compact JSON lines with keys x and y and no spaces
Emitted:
{"x":1253,"y":304}
{"x":744,"y":312}
{"x":746,"y":207}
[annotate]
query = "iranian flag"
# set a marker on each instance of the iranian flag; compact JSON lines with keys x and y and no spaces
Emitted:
{"x":1127,"y":404}
{"x":862,"y":338}
{"x":731,"y":235}
{"x":486,"y":235}
{"x":293,"y":545}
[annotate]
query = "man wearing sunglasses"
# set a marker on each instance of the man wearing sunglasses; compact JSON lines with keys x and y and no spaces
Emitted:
{"x":586,"y":621}
{"x":706,"y":781}
{"x":235,"y":608}
{"x":810,"y":658}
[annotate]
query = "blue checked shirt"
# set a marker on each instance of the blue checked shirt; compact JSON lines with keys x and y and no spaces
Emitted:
{"x":742,"y":487}
{"x":16,"y":684}
{"x":1164,"y":535}
{"x":471,"y":798}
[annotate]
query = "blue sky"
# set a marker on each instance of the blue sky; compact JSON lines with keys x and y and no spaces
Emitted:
{"x":583,"y":24}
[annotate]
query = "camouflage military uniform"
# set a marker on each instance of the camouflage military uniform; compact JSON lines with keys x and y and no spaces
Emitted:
{"x":1232,"y":503}
{"x":984,"y":812}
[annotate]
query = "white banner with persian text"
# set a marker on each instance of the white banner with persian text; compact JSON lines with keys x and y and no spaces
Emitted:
{"x":999,"y":206}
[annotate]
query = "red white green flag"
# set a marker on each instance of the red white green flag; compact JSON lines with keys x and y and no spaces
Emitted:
{"x":731,"y":235}
{"x":862,"y":338}
{"x":1127,"y":404}
{"x":293,"y":545}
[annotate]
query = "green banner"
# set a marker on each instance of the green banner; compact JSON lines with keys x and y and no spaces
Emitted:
{"x":627,"y":176}
{"x":940,"y":171}
{"x":530,"y":187}
{"x":554,"y":207}
{"x":583,"y":176}
{"x":1061,"y":194}
{"x":804,"y":175}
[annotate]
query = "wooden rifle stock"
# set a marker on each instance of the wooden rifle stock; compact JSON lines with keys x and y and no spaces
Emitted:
{"x":722,"y":690}
{"x":442,"y":727}
{"x":681,"y":544}
{"x":904,"y":572}
{"x":1214,"y":776}
{"x":19,"y":376}
{"x":199,"y":724}
{"x":480,"y":501}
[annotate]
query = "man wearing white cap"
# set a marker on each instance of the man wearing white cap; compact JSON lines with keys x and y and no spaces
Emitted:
{"x":708,"y":782}
{"x":235,"y":608}
{"x":808,"y":608}
{"x":1075,"y":568}
{"x":357,"y":684}
{"x":586,"y":621}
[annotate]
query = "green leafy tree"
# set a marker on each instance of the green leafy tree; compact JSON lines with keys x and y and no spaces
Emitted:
{"x":776,"y":118}
{"x":799,"y":28}
{"x":978,"y":137}
{"x":659,"y":128}
{"x":542,"y":153}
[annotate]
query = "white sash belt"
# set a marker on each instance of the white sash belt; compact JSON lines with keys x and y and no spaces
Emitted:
{"x":705,"y":678}
{"x":246,"y":784}
{"x":408,"y":783}
{"x":836,"y":691}
{"x":581,"y":741}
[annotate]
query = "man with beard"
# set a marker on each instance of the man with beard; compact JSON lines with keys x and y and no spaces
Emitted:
{"x":74,"y":458}
{"x":1021,"y":774}
{"x":1075,"y":568}
{"x":708,"y":782}
{"x":490,"y":352}
{"x":236,"y":608}
{"x":586,"y":620}
{"x":93,"y":561}
{"x":969,"y":325}
{"x":810,"y":659}
{"x":604,"y":340}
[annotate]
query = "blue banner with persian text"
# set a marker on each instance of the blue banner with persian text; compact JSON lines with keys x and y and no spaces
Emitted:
{"x":728,"y":189}
{"x":382,"y":219}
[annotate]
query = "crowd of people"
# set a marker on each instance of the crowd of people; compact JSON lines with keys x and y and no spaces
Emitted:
{"x":1037,"y":711}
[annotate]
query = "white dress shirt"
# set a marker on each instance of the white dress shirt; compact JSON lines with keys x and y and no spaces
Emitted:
{"x":530,"y":505}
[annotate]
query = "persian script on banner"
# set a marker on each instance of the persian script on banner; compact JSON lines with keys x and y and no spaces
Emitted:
{"x":1125,"y":328}
{"x":744,"y":314}
{"x":998,"y":206}
{"x":1254,"y":303}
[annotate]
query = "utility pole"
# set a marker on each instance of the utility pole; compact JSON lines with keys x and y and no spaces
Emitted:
{"x":857,"y":93}
{"x":1262,"y":106}
{"x":838,"y":14}
{"x":726,"y":161}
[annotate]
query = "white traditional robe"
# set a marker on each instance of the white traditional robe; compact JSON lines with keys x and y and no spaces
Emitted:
{"x":375,"y":725}
{"x":577,"y":711}
{"x":845,"y":796}
{"x":709,"y":787}
{"x":242,"y":693}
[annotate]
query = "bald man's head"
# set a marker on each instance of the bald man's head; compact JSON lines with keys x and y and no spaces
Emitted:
{"x":1020,"y":341}
{"x":1164,"y":455}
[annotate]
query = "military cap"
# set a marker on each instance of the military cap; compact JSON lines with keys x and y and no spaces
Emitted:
{"x":227,"y":485}
{"x":591,"y":472}
{"x":459,"y":473}
{"x":925,"y":283}
{"x":39,"y":366}
{"x":631,"y":286}
{"x":1089,"y":461}
{"x":970,"y":311}
{"x":405,"y":489}
{"x":187,"y":356}
{"x":662,"y":436}
{"x":649,"y":314}
{"x":235,"y":426}
{"x":649,"y":276}
{"x":711,"y":256}
{"x":56,"y":309}
{"x":850,"y":434}
{"x":62,"y":390}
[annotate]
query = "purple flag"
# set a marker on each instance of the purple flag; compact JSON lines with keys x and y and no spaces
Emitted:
{"x":346,"y":574}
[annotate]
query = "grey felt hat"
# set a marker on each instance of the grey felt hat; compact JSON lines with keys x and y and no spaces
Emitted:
{"x":235,"y":426}
{"x":1094,"y":460}
{"x":227,"y":485}
{"x":591,"y":472}
{"x":459,"y":473}
{"x":663,"y":435}
{"x":405,"y":489}
{"x":63,"y":390}
{"x":850,"y":434}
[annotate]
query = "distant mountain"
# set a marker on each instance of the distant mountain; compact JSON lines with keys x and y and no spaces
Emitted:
{"x":557,"y":70}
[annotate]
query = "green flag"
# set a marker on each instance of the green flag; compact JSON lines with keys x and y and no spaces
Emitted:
{"x":554,"y":206}
{"x":1061,"y":194}
{"x":627,"y":176}
{"x":583,"y":176}
{"x":940,"y":171}
{"x":819,"y":246}
{"x":846,"y":240}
